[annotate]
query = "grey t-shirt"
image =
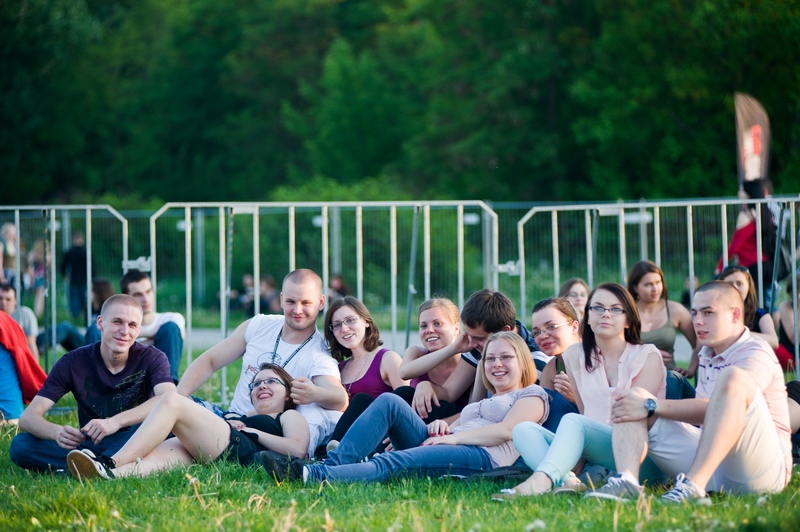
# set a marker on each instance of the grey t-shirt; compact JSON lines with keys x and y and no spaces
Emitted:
{"x":27,"y":320}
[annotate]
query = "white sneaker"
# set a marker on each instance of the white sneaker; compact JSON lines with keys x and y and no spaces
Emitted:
{"x":617,"y":489}
{"x":83,"y":463}
{"x":332,"y":445}
{"x":683,"y":491}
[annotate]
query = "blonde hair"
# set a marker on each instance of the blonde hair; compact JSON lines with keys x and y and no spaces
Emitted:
{"x":529,"y":373}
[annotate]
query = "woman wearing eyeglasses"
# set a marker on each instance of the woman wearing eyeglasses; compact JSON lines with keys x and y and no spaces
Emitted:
{"x":479,"y":441}
{"x":555,"y":326}
{"x":576,"y":291}
{"x":609,"y":359}
{"x":203,"y":436}
{"x":367,"y":369}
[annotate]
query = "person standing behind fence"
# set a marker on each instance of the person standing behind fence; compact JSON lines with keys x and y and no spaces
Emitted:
{"x":9,"y":248}
{"x":291,"y":341}
{"x":164,"y":330}
{"x":73,"y":269}
{"x":743,"y":247}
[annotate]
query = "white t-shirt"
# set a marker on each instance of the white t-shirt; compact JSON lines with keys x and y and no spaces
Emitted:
{"x":148,"y":332}
{"x":313,"y":360}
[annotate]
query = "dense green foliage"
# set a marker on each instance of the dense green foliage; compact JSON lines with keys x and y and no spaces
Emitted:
{"x":200,"y":100}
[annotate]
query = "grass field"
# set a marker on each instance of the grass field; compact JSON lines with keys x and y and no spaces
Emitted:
{"x":224,"y":496}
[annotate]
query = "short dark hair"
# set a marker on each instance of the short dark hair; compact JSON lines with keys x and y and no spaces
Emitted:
{"x":633,"y":334}
{"x":5,"y":287}
{"x":372,"y":336}
{"x":131,"y":276}
{"x":491,"y":310}
{"x":639,"y":270}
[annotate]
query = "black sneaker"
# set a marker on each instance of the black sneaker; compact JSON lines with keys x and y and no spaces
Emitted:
{"x":83,"y":463}
{"x":281,"y":467}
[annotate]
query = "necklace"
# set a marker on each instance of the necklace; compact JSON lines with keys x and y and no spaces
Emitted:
{"x":276,"y":359}
{"x":349,"y":384}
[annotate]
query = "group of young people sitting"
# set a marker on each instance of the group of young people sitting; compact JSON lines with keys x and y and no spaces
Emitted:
{"x":583,"y":391}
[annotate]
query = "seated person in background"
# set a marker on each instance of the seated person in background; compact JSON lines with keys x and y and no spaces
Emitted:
{"x":23,"y":315}
{"x":609,"y":359}
{"x":367,"y":370}
{"x":480,"y":440}
{"x":20,"y":374}
{"x":291,"y":341}
{"x":434,"y":362}
{"x":743,"y":442}
{"x":576,"y":291}
{"x":756,"y":319}
{"x":484,"y":313}
{"x":784,"y":322}
{"x":115,"y":383}
{"x":660,"y":317}
{"x":202,"y":435}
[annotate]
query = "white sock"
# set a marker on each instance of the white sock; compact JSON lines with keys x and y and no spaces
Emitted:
{"x":305,"y":474}
{"x":629,"y":478}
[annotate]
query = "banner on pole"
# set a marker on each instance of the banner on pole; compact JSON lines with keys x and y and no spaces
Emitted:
{"x":752,"y":138}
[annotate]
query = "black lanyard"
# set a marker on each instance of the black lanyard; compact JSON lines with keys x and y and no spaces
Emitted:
{"x":278,"y":341}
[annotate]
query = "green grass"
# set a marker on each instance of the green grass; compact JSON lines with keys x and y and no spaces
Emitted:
{"x":226,"y":496}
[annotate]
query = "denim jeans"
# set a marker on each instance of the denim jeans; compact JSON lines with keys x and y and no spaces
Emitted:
{"x":168,"y":339}
{"x":77,"y":299}
{"x":67,"y":335}
{"x":577,"y":437}
{"x":30,"y":452}
{"x":391,"y":414}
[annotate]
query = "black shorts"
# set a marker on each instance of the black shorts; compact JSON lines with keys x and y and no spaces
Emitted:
{"x":241,"y":448}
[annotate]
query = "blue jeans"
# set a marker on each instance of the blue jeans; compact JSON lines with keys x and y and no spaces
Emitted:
{"x":559,"y":407}
{"x":577,"y":437}
{"x":168,"y":339}
{"x":67,"y":335}
{"x":678,"y":386}
{"x":77,"y":299}
{"x":30,"y":452}
{"x":391,"y":414}
{"x":10,"y":392}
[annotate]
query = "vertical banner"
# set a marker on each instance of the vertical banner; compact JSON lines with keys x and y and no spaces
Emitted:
{"x":752,"y":138}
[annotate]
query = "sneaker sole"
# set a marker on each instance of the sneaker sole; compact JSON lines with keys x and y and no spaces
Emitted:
{"x":81,"y":466}
{"x":605,"y":497}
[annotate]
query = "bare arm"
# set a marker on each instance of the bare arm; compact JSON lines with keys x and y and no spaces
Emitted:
{"x":416,"y":362}
{"x":97,"y":429}
{"x":683,"y":321}
{"x":574,"y":351}
{"x":32,"y":345}
{"x":652,"y":374}
{"x":767,"y":333}
{"x":629,"y":406}
{"x":546,"y":377}
{"x":457,"y":383}
{"x":33,"y":422}
{"x":228,"y":350}
{"x":525,"y":409}
{"x":295,"y":437}
{"x":479,"y":391}
{"x":325,"y":390}
{"x":390,"y":370}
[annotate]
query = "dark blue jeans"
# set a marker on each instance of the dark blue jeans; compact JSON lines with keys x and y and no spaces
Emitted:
{"x":391,"y":414}
{"x":30,"y":452}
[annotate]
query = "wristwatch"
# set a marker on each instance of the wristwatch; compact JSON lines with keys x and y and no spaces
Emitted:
{"x":651,"y":405}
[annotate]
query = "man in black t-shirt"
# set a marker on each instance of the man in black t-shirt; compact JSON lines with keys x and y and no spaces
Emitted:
{"x":114,"y":382}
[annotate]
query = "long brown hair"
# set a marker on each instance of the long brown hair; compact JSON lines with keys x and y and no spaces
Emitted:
{"x":372,"y":335}
{"x":751,"y":301}
{"x":639,"y":270}
{"x":633,"y":334}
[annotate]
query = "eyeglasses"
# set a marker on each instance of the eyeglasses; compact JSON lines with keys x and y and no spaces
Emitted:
{"x":270,"y":381}
{"x":536,"y":333}
{"x":502,"y":358}
{"x":614,"y":311}
{"x":349,"y":321}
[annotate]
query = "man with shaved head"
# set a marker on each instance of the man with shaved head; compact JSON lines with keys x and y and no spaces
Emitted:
{"x":291,"y":341}
{"x":743,"y":442}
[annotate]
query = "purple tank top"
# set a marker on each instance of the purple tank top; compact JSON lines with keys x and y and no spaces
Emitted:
{"x":371,"y":383}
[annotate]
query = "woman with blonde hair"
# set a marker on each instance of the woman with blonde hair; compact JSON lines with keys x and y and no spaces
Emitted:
{"x":479,"y":441}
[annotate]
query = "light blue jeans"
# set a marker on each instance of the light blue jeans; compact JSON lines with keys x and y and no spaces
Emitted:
{"x":391,"y":415}
{"x":577,"y":437}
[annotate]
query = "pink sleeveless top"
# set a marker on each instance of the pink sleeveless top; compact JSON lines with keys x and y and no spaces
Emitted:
{"x":371,"y":383}
{"x":593,"y":385}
